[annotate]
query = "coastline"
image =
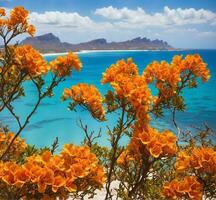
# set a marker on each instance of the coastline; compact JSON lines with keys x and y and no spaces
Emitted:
{"x":107,"y":51}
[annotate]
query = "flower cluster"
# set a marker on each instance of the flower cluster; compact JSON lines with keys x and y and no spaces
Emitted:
{"x":124,"y":78}
{"x":149,"y":142}
{"x":159,"y":143}
{"x":75,"y":169}
{"x":166,"y":77}
{"x":88,"y":96}
{"x":17,"y":21}
{"x":119,"y":69}
{"x":62,"y":66}
{"x":156,"y":143}
{"x":195,"y":65}
{"x":30,"y":60}
{"x":202,"y":159}
{"x":16,"y":149}
{"x":189,"y":187}
{"x":171,"y":78}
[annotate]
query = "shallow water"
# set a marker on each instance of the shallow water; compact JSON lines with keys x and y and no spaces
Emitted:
{"x":53,"y":119}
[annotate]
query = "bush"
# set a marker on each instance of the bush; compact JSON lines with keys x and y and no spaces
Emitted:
{"x":153,"y":165}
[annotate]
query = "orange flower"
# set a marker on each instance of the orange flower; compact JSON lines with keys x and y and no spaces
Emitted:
{"x":158,"y":144}
{"x":59,"y":181}
{"x":31,"y":30}
{"x":169,"y":78}
{"x":155,"y":149}
{"x":2,"y":137}
{"x":187,"y":187}
{"x":18,"y":146}
{"x":2,"y":12}
{"x":18,"y":16}
{"x":124,"y":78}
{"x":120,"y":68}
{"x":9,"y":178}
{"x":148,"y":135}
{"x":75,"y":168}
{"x":30,"y":61}
{"x":201,"y":159}
{"x":124,"y":158}
{"x":89,"y":96}
{"x":34,"y":170}
{"x":70,"y":185}
{"x":46,"y":156}
{"x":22,"y":176}
{"x":195,"y":65}
{"x":147,"y":141}
{"x":17,"y":21}
{"x":182,"y":161}
{"x":62,"y":66}
{"x":204,"y":160}
{"x":9,"y":168}
{"x":46,"y":178}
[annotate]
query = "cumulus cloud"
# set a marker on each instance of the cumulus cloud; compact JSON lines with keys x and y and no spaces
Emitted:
{"x":65,"y":19}
{"x":128,"y":17}
{"x":179,"y":27}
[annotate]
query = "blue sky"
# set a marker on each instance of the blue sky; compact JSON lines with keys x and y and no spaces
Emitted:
{"x":185,"y":24}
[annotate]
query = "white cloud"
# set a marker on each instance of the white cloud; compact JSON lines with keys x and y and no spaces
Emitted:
{"x":181,"y":16}
{"x":179,"y":27}
{"x":125,"y":17}
{"x":65,"y":19}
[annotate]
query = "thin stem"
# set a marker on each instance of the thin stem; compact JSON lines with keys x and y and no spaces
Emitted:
{"x":175,"y":123}
{"x":12,"y":93}
{"x":139,"y":183}
{"x":114,"y":155}
{"x":40,"y":97}
{"x":24,"y":125}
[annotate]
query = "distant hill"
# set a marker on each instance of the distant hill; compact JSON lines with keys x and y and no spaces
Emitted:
{"x":49,"y":43}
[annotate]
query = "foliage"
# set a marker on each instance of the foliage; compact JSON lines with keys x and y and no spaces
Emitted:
{"x":150,"y":161}
{"x":153,"y":165}
{"x":27,"y":172}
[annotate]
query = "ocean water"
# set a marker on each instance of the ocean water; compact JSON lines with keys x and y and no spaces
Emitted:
{"x":53,"y":119}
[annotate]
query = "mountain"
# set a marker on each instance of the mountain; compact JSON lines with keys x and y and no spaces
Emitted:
{"x":49,"y":43}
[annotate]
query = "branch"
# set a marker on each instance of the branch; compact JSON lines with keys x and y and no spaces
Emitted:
{"x":88,"y":136}
{"x":139,"y":183}
{"x":12,"y":93}
{"x":40,"y":97}
{"x":114,"y":157}
{"x":175,"y":123}
{"x":54,"y":145}
{"x":25,"y":123}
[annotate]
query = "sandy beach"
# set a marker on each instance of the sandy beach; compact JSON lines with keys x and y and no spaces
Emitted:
{"x":95,"y":51}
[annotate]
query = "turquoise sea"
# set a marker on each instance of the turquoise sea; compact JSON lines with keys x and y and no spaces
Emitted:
{"x":53,"y":119}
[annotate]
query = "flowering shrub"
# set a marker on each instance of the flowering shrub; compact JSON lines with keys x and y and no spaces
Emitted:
{"x":153,"y":165}
{"x":171,"y":79}
{"x":150,"y":154}
{"x":27,"y":172}
{"x":56,"y":176}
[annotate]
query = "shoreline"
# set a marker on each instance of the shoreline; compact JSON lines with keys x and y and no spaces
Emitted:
{"x":107,"y":51}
